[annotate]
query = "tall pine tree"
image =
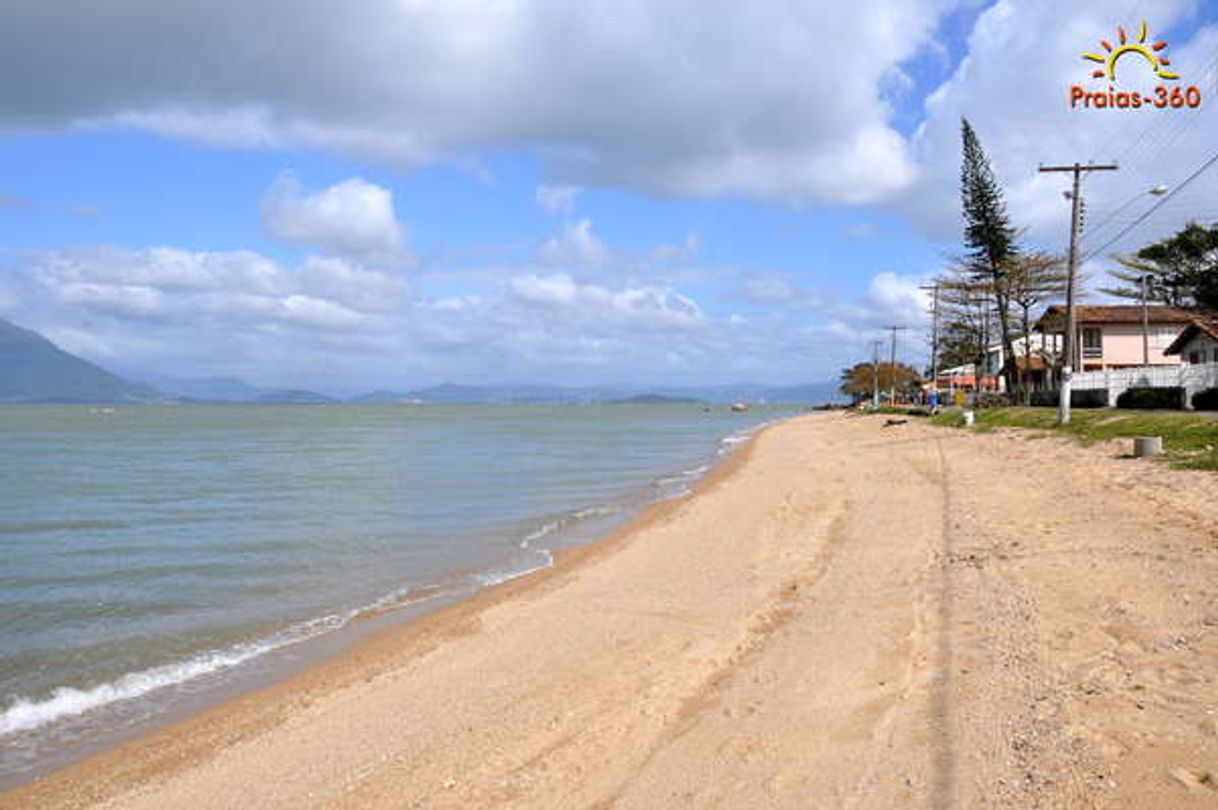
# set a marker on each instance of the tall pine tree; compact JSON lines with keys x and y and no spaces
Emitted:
{"x":988,"y":236}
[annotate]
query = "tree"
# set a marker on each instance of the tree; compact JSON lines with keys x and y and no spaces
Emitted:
{"x":1031,"y":279}
{"x":988,"y":236}
{"x":858,"y":380}
{"x":965,"y":316}
{"x":1181,"y":270}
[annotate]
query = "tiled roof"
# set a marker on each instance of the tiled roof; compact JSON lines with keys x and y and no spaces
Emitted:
{"x":1054,"y":317}
{"x":1206,"y":325}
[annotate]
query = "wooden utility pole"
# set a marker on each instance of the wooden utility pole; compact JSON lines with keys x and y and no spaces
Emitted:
{"x":892,"y":363}
{"x":1076,"y":203}
{"x":875,"y":373}
{"x":1145,"y":324}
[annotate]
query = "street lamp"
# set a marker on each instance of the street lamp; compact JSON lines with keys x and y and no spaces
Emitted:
{"x":1157,"y":191}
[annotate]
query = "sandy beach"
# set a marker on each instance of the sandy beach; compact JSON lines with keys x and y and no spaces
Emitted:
{"x":842,"y":614}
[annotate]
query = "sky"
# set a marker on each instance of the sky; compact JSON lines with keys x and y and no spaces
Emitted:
{"x":394,"y":193}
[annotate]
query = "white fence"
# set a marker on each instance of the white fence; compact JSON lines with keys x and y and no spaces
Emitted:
{"x":1192,"y":378}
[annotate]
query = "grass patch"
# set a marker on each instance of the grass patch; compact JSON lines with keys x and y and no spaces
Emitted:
{"x":1188,"y":440}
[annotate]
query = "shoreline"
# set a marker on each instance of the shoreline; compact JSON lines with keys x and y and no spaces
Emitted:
{"x":424,"y":624}
{"x":842,"y":613}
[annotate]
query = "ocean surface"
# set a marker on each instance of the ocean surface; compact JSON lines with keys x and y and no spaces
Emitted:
{"x":153,"y":557}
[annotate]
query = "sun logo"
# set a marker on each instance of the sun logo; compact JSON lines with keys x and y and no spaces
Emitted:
{"x":1124,"y":47}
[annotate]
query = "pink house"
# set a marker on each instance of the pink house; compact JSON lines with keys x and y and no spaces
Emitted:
{"x":1112,"y":337}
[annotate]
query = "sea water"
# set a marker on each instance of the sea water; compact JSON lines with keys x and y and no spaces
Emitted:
{"x":150,"y":556}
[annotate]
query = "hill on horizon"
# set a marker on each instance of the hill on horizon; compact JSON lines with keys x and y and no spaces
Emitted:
{"x":36,"y":370}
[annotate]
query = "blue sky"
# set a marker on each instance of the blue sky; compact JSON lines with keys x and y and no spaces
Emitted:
{"x":641,"y":193}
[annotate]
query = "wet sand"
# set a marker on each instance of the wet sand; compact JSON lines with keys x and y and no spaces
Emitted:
{"x":840,"y":615}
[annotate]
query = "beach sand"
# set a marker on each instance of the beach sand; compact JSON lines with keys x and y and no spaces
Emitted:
{"x":841,"y":615}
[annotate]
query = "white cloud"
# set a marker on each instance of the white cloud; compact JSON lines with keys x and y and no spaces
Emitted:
{"x":772,"y":99}
{"x":688,"y":250}
{"x":590,"y":304}
{"x":1013,"y":87}
{"x":237,"y":290}
{"x":898,"y":299}
{"x":353,"y":218}
{"x":576,"y":247}
{"x":332,"y":323}
{"x":557,"y":200}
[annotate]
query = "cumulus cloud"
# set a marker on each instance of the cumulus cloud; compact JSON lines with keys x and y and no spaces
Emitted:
{"x":643,"y":307}
{"x":354,"y":217}
{"x":576,"y":247}
{"x":774,"y":100}
{"x":237,"y":290}
{"x":898,"y":299}
{"x":331,"y":323}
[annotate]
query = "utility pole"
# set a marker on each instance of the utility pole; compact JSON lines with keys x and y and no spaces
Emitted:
{"x":892,"y":365}
{"x":934,"y":337}
{"x":1076,"y":207}
{"x":1145,"y":325}
{"x":875,"y":374}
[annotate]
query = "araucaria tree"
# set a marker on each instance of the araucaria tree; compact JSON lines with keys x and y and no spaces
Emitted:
{"x":989,"y":238}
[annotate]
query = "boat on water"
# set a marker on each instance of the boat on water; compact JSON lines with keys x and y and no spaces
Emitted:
{"x":739,"y":407}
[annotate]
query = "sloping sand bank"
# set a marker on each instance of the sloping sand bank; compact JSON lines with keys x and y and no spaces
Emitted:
{"x":843,"y":615}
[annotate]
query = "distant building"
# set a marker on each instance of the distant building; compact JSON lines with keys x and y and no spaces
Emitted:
{"x":1032,"y":357}
{"x":1197,"y":343}
{"x":1111,"y":337}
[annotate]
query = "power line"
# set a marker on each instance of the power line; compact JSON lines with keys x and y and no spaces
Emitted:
{"x":1200,"y":170}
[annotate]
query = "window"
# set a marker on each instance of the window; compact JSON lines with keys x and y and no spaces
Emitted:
{"x":1093,"y":342}
{"x":1194,"y":358}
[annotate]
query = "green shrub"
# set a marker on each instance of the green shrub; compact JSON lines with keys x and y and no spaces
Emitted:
{"x":1152,"y":398}
{"x":1206,"y":400}
{"x":1089,"y":398}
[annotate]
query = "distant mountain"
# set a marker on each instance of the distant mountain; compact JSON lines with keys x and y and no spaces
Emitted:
{"x":384,"y":398}
{"x":453,"y":394}
{"x":207,"y":389}
{"x":288,"y":396}
{"x":655,"y":399}
{"x":33,"y":369}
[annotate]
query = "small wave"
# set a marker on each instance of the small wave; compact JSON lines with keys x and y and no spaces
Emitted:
{"x":494,"y":578}
{"x":26,"y":715}
{"x":558,"y":524}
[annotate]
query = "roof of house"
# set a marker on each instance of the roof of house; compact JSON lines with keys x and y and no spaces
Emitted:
{"x":1199,"y":326}
{"x":1054,"y":317}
